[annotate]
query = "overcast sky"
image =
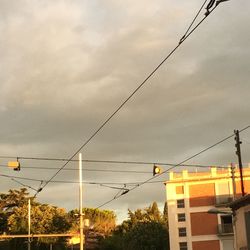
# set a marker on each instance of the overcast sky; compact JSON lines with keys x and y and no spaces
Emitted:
{"x":67,"y":65}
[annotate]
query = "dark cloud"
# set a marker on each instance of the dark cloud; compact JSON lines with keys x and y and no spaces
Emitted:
{"x":67,"y":65}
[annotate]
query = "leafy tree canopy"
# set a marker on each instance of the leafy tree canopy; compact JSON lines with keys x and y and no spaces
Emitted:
{"x":146,"y":229}
{"x":13,"y":199}
{"x":103,"y":221}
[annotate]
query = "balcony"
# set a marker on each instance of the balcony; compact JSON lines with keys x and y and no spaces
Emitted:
{"x":225,"y":229}
{"x":223,"y":200}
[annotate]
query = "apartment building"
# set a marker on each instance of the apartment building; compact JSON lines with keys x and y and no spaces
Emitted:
{"x":241,"y":211}
{"x":190,"y":195}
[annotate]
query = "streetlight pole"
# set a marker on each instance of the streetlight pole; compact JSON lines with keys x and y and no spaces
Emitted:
{"x":80,"y":201}
{"x":29,"y":209}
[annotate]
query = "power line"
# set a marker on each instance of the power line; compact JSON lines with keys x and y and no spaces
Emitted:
{"x":186,"y":35}
{"x":191,"y":25}
{"x":24,"y":185}
{"x":121,"y":162}
{"x":102,"y":161}
{"x":127,"y":99}
{"x":182,"y":162}
{"x":86,"y":170}
{"x":74,"y":182}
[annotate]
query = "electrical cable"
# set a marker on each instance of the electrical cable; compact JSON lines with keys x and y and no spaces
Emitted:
{"x":101,"y":161}
{"x":104,"y":184}
{"x":186,"y":35}
{"x":87,"y":170}
{"x":190,"y":26}
{"x":120,"y":171}
{"x":24,"y":185}
{"x":182,"y":162}
{"x":127,"y":99}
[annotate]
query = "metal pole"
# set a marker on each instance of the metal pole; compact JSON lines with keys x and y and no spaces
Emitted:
{"x":238,"y":152}
{"x":80,"y":201}
{"x":29,"y":209}
{"x":233,"y":180}
{"x":234,"y":197}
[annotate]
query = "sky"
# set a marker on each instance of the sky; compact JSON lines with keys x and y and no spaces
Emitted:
{"x":67,"y":65}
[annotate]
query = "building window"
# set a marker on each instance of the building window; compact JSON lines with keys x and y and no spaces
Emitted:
{"x":182,"y":232}
{"x":181,"y":217}
{"x":223,"y":193}
{"x":179,"y":189}
{"x":180,"y":203}
{"x":183,"y":246}
{"x":226,"y":226}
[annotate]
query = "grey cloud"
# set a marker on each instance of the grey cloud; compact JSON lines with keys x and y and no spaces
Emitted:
{"x":63,"y":72}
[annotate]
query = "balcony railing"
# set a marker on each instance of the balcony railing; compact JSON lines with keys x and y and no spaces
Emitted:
{"x":225,"y":229}
{"x":222,"y":200}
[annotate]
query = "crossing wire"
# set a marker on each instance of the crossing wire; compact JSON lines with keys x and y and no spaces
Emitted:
{"x":126,"y":100}
{"x":182,"y":162}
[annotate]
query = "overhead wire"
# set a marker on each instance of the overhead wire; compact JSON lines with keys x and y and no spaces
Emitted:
{"x":24,"y":185}
{"x":120,"y":162}
{"x":191,"y":24}
{"x":75,"y":182}
{"x":182,"y":162}
{"x":101,"y":161}
{"x":106,"y":121}
{"x":125,"y":190}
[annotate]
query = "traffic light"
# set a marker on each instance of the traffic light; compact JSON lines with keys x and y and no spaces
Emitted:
{"x":15,"y":165}
{"x":156,"y":170}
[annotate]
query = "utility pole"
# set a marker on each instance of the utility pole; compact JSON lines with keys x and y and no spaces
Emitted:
{"x":29,"y":210}
{"x":233,"y":180}
{"x":238,"y":152}
{"x":80,"y":201}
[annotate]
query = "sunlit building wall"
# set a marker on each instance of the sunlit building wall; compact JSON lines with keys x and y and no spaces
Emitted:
{"x":189,"y":196}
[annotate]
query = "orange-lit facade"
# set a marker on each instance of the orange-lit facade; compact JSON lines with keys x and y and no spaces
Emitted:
{"x":190,"y":196}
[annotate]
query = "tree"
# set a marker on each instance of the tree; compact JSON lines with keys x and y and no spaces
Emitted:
{"x":44,"y":219}
{"x":153,"y":213}
{"x":8,"y":202}
{"x":148,"y":214}
{"x":146,"y":229}
{"x":148,"y":236}
{"x":165,"y":214}
{"x":102,"y":221}
{"x":13,"y":199}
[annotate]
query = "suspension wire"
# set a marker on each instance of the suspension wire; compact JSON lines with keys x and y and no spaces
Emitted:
{"x":182,"y":162}
{"x":118,"y":171}
{"x":191,"y":25}
{"x":126,"y":100}
{"x":100,"y":161}
{"x":22,"y":184}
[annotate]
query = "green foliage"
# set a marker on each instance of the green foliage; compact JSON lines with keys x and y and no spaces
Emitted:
{"x":13,"y":199}
{"x":8,"y":203}
{"x":102,"y":221}
{"x":146,"y":229}
{"x":151,"y":213}
{"x":114,"y":242}
{"x":147,"y":236}
{"x":44,"y":218}
{"x":165,"y":214}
